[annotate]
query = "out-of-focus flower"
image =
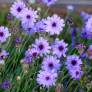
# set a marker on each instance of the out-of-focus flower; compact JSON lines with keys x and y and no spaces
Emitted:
{"x":89,"y":24}
{"x":59,"y":48}
{"x":87,"y":30}
{"x":46,"y":79}
{"x":40,"y":26}
{"x":54,"y":25}
{"x":89,"y":52}
{"x":85,"y":16}
{"x":5,"y":84}
{"x":42,"y":46}
{"x":17,"y":9}
{"x":4,"y":34}
{"x":86,"y":34}
{"x":51,"y":64}
{"x":49,"y":2}
{"x":28,"y":29}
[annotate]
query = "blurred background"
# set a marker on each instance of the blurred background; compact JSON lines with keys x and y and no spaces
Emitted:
{"x":60,"y":6}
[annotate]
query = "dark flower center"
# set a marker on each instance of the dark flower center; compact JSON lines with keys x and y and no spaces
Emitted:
{"x":47,"y":78}
{"x":34,"y":54}
{"x":41,"y":46}
{"x":77,"y":73}
{"x":60,"y":48}
{"x":1,"y":34}
{"x":2,"y":57}
{"x":53,"y":24}
{"x":74,"y":62}
{"x":19,"y":9}
{"x":28,"y":16}
{"x":51,"y":65}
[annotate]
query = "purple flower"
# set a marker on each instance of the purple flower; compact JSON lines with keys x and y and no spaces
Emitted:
{"x":46,"y":79}
{"x":51,"y":64}
{"x":73,"y":61}
{"x":28,"y":29}
{"x":29,"y":18}
{"x":86,"y":34}
{"x":49,"y":2}
{"x":59,"y":48}
{"x":4,"y":34}
{"x":17,"y":9}
{"x":85,"y":16}
{"x":6,"y":84}
{"x":87,"y":30}
{"x":76,"y":74}
{"x":42,"y":46}
{"x":54,"y":25}
{"x":40,"y":26}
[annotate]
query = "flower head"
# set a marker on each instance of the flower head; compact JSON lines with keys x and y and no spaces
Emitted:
{"x":86,"y":33}
{"x":54,"y":25}
{"x":17,"y":9}
{"x":76,"y":74}
{"x":73,"y":61}
{"x":29,"y":18}
{"x":4,"y":34}
{"x":51,"y":64}
{"x":42,"y":46}
{"x":85,"y":16}
{"x":46,"y":79}
{"x":60,"y":48}
{"x":40,"y":26}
